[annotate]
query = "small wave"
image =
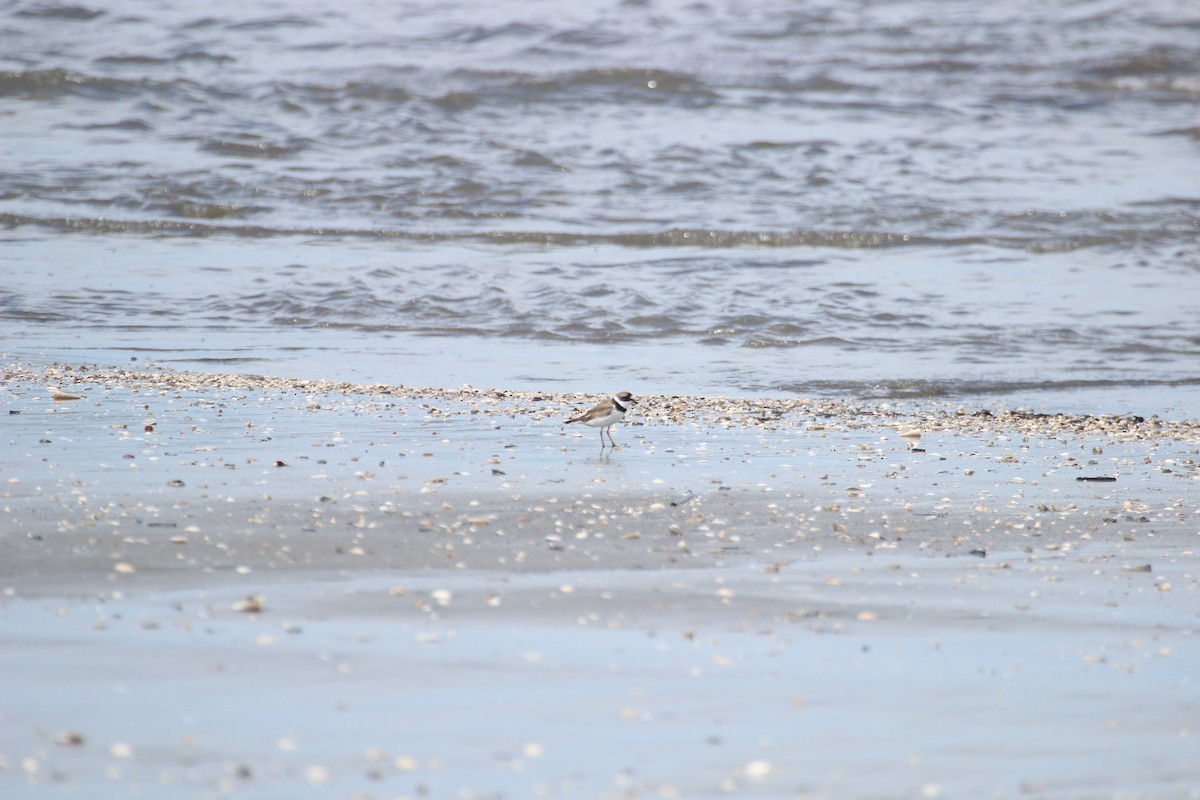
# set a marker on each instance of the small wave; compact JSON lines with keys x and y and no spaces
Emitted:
{"x":63,"y":11}
{"x":251,"y":146}
{"x":590,"y":37}
{"x":711,"y":238}
{"x":213,"y":211}
{"x":43,"y":84}
{"x":1037,"y":242}
{"x":472,"y":34}
{"x":623,"y":85}
{"x":1163,"y":70}
{"x":951,"y":389}
{"x":272,"y":23}
{"x":58,"y":83}
{"x":212,"y":361}
{"x":837,"y":342}
{"x":1160,"y":60}
{"x":138,"y":125}
{"x":138,"y":60}
{"x":336,"y":96}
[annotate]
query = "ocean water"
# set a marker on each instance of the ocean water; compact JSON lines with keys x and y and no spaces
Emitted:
{"x":924,"y":199}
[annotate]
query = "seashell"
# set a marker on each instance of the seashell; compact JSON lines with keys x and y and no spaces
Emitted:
{"x":58,"y":394}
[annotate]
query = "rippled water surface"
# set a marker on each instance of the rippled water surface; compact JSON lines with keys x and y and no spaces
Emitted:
{"x":928,"y":198}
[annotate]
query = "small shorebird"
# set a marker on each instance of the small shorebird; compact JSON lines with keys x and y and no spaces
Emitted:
{"x":604,"y":415}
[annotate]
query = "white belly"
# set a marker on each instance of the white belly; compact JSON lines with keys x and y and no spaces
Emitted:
{"x":605,"y":421}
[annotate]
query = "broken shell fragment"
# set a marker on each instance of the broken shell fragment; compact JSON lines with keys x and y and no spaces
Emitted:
{"x":253,"y":604}
{"x":58,"y":394}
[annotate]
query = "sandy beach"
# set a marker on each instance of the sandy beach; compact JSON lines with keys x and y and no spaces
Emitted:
{"x":232,"y":586}
{"x":298,"y":296}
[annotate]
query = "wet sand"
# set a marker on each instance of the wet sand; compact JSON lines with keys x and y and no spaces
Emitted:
{"x":247,"y":587}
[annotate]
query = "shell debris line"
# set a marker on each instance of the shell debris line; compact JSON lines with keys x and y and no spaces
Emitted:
{"x":766,"y":413}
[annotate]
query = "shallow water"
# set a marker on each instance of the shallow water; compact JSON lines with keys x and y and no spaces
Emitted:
{"x":994,"y":204}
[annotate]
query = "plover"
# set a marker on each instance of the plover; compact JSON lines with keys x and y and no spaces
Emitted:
{"x":604,"y":415}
